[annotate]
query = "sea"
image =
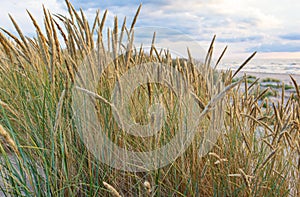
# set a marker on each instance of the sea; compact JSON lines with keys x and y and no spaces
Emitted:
{"x":276,"y":66}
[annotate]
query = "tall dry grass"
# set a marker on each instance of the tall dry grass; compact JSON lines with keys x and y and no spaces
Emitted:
{"x":256,"y":155}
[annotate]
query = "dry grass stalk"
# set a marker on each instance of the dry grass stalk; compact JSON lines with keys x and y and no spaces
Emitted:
{"x":4,"y":40}
{"x":246,"y":180}
{"x":246,"y":142}
{"x":244,"y":64}
{"x":270,"y":145}
{"x":37,"y":27}
{"x":260,"y":95}
{"x":112,"y":190}
{"x":6,"y":106}
{"x":129,"y":49}
{"x":277,"y":115}
{"x":122,"y":33}
{"x":197,"y":99}
{"x":157,"y":54}
{"x":147,"y":185}
{"x":259,"y":122}
{"x":234,"y":175}
{"x":56,"y":41}
{"x":86,"y":30}
{"x":70,"y":10}
{"x":220,"y":57}
{"x":8,"y":139}
{"x":58,"y":111}
{"x":135,"y":18}
{"x":289,"y":139}
{"x":208,"y":57}
{"x":152,"y":44}
{"x":19,"y":32}
{"x":6,"y":47}
{"x":96,"y":21}
{"x":70,"y":71}
{"x":215,"y":155}
{"x":108,"y":40}
{"x":297,"y":88}
{"x":220,"y":161}
{"x":103,"y":21}
{"x":269,"y":157}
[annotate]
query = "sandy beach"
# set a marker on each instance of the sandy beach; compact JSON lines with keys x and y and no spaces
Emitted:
{"x":282,"y":77}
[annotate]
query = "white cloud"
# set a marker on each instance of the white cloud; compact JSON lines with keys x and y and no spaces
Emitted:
{"x":18,"y":11}
{"x":242,"y":25}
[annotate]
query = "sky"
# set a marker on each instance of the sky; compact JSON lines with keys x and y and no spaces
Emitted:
{"x":270,"y":27}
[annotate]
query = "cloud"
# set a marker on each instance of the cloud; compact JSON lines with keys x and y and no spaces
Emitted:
{"x":85,"y":4}
{"x":240,"y":24}
{"x":241,"y":39}
{"x":291,"y":36}
{"x":17,"y":9}
{"x":277,"y":47}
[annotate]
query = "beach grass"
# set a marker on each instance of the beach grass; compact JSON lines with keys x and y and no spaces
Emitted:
{"x":271,"y":80}
{"x":42,"y":153}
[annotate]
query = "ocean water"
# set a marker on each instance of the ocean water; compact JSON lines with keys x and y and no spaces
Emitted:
{"x":276,"y":66}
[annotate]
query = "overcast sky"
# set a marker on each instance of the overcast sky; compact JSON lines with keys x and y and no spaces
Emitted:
{"x":268,"y":26}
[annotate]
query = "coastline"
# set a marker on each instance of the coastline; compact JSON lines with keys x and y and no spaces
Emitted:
{"x":265,"y":81}
{"x":283,"y":77}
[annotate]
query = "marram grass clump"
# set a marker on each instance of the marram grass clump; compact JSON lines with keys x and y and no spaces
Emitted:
{"x":256,"y":155}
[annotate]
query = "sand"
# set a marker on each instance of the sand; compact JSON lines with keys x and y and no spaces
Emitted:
{"x":282,"y":77}
{"x":285,"y":78}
